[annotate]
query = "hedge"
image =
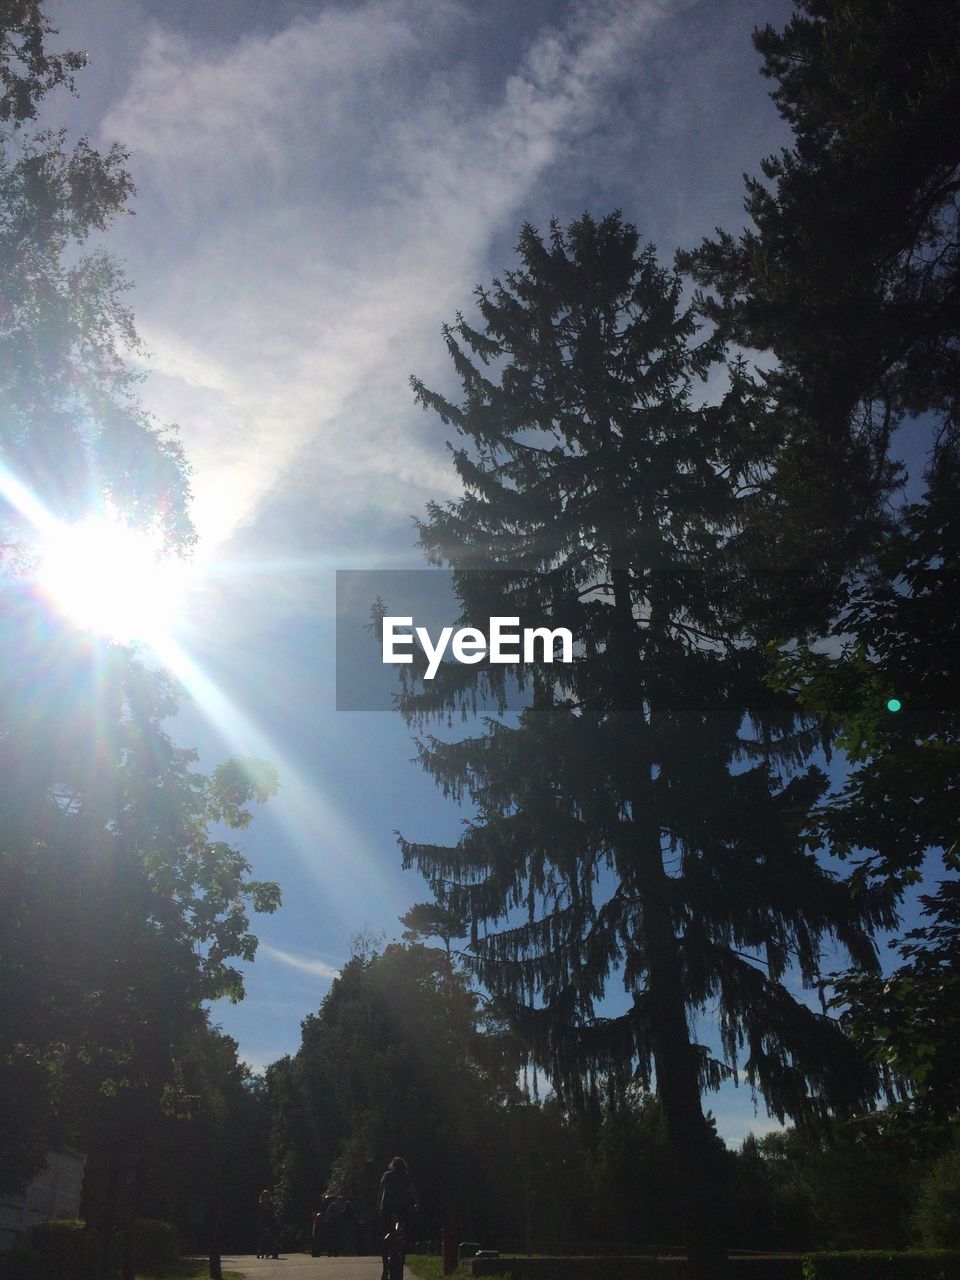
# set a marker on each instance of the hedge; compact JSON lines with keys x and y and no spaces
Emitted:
{"x":883,"y":1264}
{"x":61,"y":1248}
{"x":154,"y":1244}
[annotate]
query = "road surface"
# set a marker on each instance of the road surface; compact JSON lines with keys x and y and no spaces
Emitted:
{"x":300,"y":1266}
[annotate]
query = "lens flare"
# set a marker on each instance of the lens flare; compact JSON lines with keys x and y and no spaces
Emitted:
{"x":112,"y":579}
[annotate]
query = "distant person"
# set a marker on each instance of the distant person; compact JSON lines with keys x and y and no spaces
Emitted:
{"x":268,"y":1229}
{"x":398,"y":1197}
{"x":332,"y":1221}
{"x":318,"y":1232}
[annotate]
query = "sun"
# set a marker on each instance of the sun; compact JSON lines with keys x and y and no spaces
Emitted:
{"x":113,"y":579}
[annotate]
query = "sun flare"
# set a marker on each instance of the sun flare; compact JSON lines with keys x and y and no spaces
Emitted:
{"x":113,"y":579}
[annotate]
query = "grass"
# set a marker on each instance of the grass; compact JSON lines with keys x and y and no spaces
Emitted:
{"x":429,"y":1266}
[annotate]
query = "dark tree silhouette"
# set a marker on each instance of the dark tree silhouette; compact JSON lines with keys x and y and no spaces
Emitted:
{"x":899,"y":803}
{"x":397,"y":1059}
{"x":849,"y":274}
{"x":640,"y":817}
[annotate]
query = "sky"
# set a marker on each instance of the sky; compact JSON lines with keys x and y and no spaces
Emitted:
{"x":320,"y":186}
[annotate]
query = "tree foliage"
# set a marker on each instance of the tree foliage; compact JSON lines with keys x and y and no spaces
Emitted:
{"x":430,"y":920}
{"x":850,"y":274}
{"x":396,"y":1061}
{"x":842,"y":1185}
{"x":937,"y":1213}
{"x":849,"y":271}
{"x":28,"y":69}
{"x":212,"y":1159}
{"x":71,"y":428}
{"x":900,"y":640}
{"x":121,"y":911}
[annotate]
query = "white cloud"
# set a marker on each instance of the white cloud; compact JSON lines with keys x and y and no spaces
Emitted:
{"x":313,"y":205}
{"x":305,"y":964}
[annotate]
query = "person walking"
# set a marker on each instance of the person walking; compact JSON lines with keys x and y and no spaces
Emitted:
{"x":333,"y":1221}
{"x":396,"y":1202}
{"x":268,"y":1229}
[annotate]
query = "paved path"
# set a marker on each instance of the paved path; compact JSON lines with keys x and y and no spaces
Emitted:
{"x":300,"y":1266}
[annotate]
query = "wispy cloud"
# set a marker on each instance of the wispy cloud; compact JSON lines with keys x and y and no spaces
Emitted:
{"x":305,"y":964}
{"x":316,"y":203}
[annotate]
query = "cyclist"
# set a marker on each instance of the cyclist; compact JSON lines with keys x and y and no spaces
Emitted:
{"x":397,"y":1202}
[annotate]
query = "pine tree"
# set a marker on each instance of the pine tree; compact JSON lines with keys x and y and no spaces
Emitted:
{"x":890,"y":694}
{"x":848,"y":273}
{"x":639,"y":819}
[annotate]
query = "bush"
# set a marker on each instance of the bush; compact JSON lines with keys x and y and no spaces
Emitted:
{"x":154,"y":1244}
{"x":937,"y":1213}
{"x":883,"y":1264}
{"x":63,"y":1248}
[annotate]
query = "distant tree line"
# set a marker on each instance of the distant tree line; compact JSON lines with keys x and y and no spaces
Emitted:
{"x":403,"y":1058}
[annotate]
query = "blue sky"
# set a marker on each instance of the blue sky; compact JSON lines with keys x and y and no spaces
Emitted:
{"x":320,"y":186}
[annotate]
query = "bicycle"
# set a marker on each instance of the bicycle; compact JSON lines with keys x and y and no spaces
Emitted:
{"x":394,"y":1252}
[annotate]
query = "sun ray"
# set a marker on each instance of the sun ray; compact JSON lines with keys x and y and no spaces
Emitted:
{"x":25,"y":502}
{"x":110,"y":580}
{"x":330,"y":847}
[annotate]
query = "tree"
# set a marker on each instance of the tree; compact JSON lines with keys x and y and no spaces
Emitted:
{"x":899,"y":801}
{"x":396,"y":1060}
{"x":430,"y":920}
{"x":205,"y":1158}
{"x":71,"y":428}
{"x":632,"y":1175}
{"x":849,"y":273}
{"x":640,"y":816}
{"x":122,"y":913}
{"x":842,"y":1185}
{"x":220,"y":1136}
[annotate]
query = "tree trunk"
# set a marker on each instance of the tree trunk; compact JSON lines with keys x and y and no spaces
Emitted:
{"x":678,"y":1087}
{"x":131,"y":1201}
{"x":675,"y":1059}
{"x":678,"y":1082}
{"x":216,"y":1270}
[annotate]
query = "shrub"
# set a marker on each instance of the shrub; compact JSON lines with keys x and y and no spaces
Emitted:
{"x":62,"y":1248}
{"x":937,"y":1213}
{"x":883,"y":1264}
{"x":154,"y":1244}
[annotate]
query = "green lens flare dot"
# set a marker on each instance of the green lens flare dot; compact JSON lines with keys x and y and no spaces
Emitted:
{"x":894,"y":704}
